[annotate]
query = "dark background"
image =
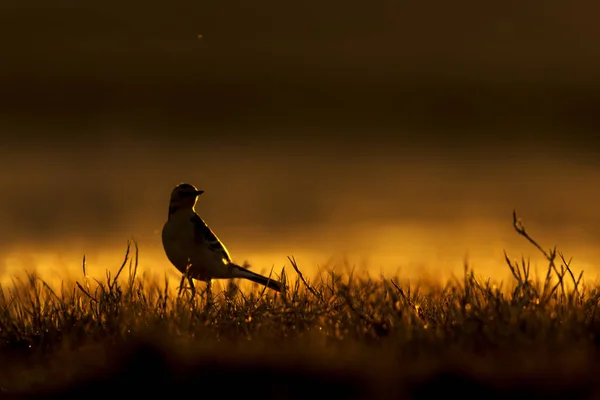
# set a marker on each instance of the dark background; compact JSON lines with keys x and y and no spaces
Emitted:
{"x":303,"y":122}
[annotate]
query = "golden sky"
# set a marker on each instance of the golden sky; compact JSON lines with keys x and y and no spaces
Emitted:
{"x":400,"y":135}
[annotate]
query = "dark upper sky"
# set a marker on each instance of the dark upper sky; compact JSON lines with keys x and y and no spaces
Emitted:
{"x":315,"y":63}
{"x":311,"y":116}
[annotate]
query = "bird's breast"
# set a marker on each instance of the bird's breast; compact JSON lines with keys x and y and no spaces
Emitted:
{"x":177,"y":239}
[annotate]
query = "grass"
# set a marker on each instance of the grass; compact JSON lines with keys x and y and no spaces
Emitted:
{"x":348,"y":334}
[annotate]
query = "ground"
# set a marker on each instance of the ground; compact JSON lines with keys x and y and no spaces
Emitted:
{"x":347,"y":334}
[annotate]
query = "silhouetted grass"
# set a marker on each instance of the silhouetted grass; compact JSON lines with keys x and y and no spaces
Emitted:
{"x":342,"y":336}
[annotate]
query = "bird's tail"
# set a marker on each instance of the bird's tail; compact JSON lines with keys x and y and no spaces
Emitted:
{"x":241,"y":272}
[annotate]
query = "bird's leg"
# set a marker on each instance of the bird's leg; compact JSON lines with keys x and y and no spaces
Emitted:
{"x":192,"y":287}
{"x":208,"y":293}
{"x":186,"y":275}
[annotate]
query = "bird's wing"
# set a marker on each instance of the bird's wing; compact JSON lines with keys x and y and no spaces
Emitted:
{"x":204,"y":235}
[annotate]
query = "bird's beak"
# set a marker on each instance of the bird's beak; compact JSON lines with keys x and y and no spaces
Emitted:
{"x":198,"y":192}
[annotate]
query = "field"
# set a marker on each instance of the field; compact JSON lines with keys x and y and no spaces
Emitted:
{"x":349,"y":334}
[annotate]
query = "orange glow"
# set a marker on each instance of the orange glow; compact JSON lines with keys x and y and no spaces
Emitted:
{"x":407,"y":251}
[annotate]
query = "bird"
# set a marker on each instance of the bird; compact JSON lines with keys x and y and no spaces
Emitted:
{"x":194,"y":249}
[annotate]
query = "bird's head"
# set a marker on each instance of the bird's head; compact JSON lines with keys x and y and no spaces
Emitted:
{"x":183,"y":196}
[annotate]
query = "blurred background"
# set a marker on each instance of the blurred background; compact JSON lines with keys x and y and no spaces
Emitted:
{"x":390,"y":136}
